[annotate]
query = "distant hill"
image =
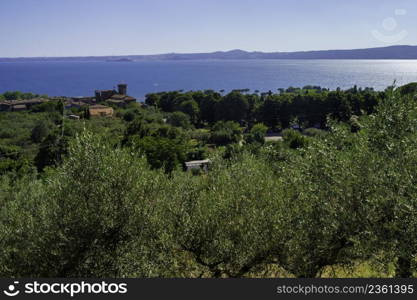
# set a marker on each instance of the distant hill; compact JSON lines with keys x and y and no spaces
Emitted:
{"x":391,"y":52}
{"x":123,"y":59}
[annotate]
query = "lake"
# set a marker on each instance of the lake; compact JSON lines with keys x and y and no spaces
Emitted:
{"x":82,"y":78}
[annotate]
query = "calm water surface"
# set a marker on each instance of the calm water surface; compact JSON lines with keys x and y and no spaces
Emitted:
{"x":82,"y":78}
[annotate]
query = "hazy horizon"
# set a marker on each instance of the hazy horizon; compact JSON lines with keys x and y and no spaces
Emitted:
{"x":155,"y":54}
{"x":52,"y":28}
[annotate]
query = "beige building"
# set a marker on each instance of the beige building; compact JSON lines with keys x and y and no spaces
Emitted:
{"x":100,"y":111}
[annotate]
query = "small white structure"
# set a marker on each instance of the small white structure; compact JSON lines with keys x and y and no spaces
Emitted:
{"x":274,"y":138}
{"x":73,"y":117}
{"x":197,"y":164}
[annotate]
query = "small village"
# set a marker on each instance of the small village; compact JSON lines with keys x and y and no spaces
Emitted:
{"x":102,"y":104}
{"x":99,"y":105}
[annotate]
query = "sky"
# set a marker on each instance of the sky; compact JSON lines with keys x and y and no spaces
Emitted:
{"x":30,"y":28}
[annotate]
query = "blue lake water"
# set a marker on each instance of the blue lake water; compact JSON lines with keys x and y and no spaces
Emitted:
{"x":82,"y":78}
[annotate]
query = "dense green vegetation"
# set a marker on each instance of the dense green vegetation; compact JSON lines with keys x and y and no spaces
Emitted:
{"x":306,"y":107}
{"x":105,"y":197}
{"x":16,"y":95}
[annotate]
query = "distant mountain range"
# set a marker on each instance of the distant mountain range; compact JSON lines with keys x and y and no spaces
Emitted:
{"x":391,"y":52}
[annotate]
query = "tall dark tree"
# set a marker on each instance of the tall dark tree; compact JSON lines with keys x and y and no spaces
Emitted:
{"x":233,"y":107}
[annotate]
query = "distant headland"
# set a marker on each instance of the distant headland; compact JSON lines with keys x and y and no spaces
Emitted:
{"x":391,"y":52}
{"x":123,"y":59}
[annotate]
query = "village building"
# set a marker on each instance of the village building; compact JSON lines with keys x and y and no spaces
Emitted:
{"x":31,"y":102}
{"x":118,"y":103}
{"x":19,"y":105}
{"x":100,"y":111}
{"x":120,"y":100}
{"x":118,"y":97}
{"x":103,"y":95}
{"x":75,"y":104}
{"x":85,"y":100}
{"x":5,"y":106}
{"x":124,"y":98}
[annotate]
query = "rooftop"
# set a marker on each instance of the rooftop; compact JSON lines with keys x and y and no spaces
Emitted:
{"x":197,"y":162}
{"x":98,"y":106}
{"x":122,"y":97}
{"x":20,"y":106}
{"x":26,"y":101}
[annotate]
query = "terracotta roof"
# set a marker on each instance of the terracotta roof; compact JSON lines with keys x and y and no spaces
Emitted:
{"x":122,"y":97}
{"x":118,"y":97}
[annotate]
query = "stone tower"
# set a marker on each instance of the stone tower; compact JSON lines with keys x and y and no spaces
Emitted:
{"x":122,"y":88}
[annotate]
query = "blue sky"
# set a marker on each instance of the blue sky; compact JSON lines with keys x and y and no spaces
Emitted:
{"x":123,"y":27}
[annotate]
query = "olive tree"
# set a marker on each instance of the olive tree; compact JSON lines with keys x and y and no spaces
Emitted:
{"x":227,"y":222}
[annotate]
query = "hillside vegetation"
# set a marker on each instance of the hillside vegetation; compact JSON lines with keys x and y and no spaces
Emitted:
{"x":109,"y":197}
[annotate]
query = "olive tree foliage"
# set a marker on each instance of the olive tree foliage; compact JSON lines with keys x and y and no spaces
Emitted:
{"x":228,"y":223}
{"x":92,"y":217}
{"x":392,"y":141}
{"x":24,"y":221}
{"x":107,"y":199}
{"x":352,"y":196}
{"x":324,"y":206}
{"x":345,"y":197}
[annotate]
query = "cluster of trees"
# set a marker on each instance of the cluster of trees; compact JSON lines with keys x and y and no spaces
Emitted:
{"x":306,"y":107}
{"x":17,"y":95}
{"x":108,"y":197}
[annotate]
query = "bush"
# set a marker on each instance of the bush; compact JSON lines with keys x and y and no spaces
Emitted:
{"x":294,"y":139}
{"x":202,"y":135}
{"x":224,"y":133}
{"x":314,"y":132}
{"x":39,"y":132}
{"x":257,"y":134}
{"x":162,"y":152}
{"x":129,"y":116}
{"x":179,"y":119}
{"x":408,"y":89}
{"x":197,"y":153}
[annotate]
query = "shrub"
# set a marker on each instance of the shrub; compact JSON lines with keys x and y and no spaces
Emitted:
{"x":39,"y":132}
{"x":224,"y":133}
{"x":257,"y":134}
{"x":129,"y":116}
{"x":294,"y":139}
{"x":314,"y":132}
{"x":179,"y":119}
